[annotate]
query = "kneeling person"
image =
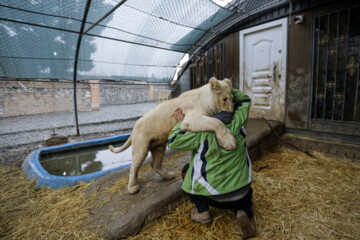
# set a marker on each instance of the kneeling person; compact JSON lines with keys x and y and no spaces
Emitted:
{"x":215,"y":176}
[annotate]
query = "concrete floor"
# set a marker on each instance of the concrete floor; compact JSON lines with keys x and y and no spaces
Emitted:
{"x":34,"y":128}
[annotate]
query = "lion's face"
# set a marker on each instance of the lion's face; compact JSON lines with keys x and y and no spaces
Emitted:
{"x":222,"y":96}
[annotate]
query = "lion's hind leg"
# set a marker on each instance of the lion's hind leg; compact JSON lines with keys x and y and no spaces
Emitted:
{"x":157,"y":156}
{"x":138,"y":156}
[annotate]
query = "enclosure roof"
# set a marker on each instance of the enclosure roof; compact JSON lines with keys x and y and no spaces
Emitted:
{"x":117,"y":40}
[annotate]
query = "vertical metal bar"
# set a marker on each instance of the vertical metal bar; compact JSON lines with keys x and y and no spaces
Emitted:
{"x":312,"y":60}
{"x":220,"y":68}
{"x":192,"y":71}
{"x":223,"y":60}
{"x":202,"y":70}
{"x":317,"y":68}
{"x":326,"y":64}
{"x":208,"y":53}
{"x":205,"y":68}
{"x":357,"y":88}
{"x":88,"y":3}
{"x":191,"y":76}
{"x":345,"y":72}
{"x":336,"y":61}
{"x":220,"y":61}
{"x":197,"y":72}
{"x":215,"y":60}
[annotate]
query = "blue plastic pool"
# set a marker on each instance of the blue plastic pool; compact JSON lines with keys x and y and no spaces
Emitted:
{"x":34,"y":169}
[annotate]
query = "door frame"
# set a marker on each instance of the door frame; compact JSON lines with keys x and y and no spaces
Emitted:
{"x":283,"y":22}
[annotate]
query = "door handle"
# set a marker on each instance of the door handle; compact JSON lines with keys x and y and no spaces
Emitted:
{"x":274,"y":72}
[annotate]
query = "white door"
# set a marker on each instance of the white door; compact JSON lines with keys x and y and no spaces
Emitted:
{"x":263,"y":68}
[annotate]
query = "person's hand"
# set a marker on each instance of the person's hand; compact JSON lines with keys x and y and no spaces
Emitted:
{"x":179,"y":115}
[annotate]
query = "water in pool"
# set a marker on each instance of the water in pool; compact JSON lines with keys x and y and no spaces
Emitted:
{"x":83,"y":161}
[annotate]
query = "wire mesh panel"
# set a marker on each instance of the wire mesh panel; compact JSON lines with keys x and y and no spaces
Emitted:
{"x":132,"y":40}
{"x":38,"y":38}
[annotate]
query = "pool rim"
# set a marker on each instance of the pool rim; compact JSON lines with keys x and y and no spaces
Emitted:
{"x":33,"y":168}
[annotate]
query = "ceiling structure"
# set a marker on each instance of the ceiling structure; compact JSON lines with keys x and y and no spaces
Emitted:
{"x":110,"y":39}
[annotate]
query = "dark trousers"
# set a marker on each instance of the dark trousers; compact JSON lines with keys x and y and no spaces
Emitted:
{"x":202,"y":203}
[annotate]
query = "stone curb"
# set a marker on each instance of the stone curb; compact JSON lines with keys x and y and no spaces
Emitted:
{"x":146,"y":211}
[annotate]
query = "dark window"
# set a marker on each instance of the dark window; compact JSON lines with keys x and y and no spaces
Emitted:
{"x":336,"y":84}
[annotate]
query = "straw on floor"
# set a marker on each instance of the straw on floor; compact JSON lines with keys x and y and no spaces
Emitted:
{"x":29,"y":212}
{"x":295,"y":197}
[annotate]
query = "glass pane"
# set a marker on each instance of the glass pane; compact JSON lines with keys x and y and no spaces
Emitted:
{"x":315,"y":70}
{"x":341,"y":65}
{"x":331,"y":66}
{"x":322,"y":68}
{"x":352,"y":71}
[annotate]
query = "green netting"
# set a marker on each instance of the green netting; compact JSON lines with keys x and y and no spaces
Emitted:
{"x":123,"y":40}
{"x":140,"y":40}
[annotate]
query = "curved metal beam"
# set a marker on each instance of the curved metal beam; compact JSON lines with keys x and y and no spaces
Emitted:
{"x":88,"y":3}
{"x":105,"y":16}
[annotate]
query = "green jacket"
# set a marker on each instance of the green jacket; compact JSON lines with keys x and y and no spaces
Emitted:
{"x":214,"y":170}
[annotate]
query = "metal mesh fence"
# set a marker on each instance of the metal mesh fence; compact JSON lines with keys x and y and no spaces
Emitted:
{"x":122,"y":40}
{"x":128,"y":54}
{"x":30,"y":110}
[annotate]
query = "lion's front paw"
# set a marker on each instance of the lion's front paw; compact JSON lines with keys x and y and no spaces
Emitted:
{"x":133,"y":189}
{"x":227,"y":141}
{"x":169,"y":175}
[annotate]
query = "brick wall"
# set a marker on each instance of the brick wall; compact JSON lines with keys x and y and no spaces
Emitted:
{"x":115,"y":94}
{"x":26,"y":98}
{"x":118,"y":94}
{"x":30,"y":97}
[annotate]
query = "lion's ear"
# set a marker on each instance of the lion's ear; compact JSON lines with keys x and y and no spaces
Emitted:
{"x":214,"y":84}
{"x":228,"y":82}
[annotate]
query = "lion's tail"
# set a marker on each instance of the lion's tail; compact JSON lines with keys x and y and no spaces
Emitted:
{"x":122,"y":148}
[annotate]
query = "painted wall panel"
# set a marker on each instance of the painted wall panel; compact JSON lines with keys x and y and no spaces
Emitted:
{"x":299,"y":61}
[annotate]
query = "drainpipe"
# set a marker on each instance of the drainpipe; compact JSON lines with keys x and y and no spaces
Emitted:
{"x":76,"y":63}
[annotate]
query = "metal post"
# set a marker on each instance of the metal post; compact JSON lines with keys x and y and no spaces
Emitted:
{"x":76,"y":63}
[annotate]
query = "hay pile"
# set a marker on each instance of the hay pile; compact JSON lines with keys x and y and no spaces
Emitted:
{"x":295,"y":197}
{"x":29,"y":212}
